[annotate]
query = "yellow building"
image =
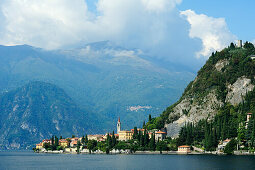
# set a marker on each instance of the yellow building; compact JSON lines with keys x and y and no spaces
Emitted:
{"x":39,"y":146}
{"x":125,"y":135}
{"x":63,"y":142}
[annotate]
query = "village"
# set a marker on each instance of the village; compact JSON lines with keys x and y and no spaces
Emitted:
{"x":134,"y":141}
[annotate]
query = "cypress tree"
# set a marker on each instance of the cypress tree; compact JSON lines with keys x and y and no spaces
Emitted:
{"x":113,"y":139}
{"x":152,"y":144}
{"x":83,"y":140}
{"x":135,"y":135}
{"x":86,"y":139}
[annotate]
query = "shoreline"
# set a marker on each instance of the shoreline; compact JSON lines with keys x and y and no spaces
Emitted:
{"x":236,"y":153}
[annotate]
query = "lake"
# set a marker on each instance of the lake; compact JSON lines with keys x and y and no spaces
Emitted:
{"x":29,"y":160}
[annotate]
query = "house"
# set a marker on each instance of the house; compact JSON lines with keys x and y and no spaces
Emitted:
{"x":125,"y":135}
{"x":252,"y":57}
{"x":222,"y":145}
{"x":248,"y":117}
{"x":138,"y":130}
{"x":64,"y":143}
{"x":46,"y":141}
{"x":160,"y":135}
{"x":95,"y":137}
{"x":184,"y":149}
{"x":39,"y":146}
{"x":73,"y":143}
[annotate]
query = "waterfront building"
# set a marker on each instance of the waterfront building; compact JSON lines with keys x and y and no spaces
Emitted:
{"x":184,"y":149}
{"x":64,"y":143}
{"x":125,"y":135}
{"x":39,"y":146}
{"x":222,"y":145}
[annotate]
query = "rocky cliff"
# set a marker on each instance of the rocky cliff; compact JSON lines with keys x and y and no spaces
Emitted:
{"x":226,"y":78}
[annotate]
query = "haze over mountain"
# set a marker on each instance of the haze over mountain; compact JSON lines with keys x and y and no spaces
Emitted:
{"x":37,"y":111}
{"x":105,"y":80}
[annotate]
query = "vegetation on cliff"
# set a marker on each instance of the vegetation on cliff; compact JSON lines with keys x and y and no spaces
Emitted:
{"x":221,"y":70}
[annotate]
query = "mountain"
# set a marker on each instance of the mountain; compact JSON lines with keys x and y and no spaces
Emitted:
{"x":222,"y":86}
{"x":37,"y":111}
{"x":107,"y":80}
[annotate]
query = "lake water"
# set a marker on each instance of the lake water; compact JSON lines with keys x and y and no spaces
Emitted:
{"x":30,"y":160}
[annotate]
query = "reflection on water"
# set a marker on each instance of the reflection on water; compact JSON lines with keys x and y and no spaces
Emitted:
{"x":30,"y":160}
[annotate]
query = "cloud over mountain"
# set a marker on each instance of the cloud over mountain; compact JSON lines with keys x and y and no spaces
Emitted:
{"x":156,"y":27}
{"x":213,"y":32}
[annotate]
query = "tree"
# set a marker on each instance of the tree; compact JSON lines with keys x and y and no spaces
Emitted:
{"x":60,"y":137}
{"x":78,"y":146}
{"x":135,"y":135}
{"x":86,"y":139}
{"x":92,"y":145}
{"x":109,"y":141}
{"x":83,"y":140}
{"x":69,"y":141}
{"x":232,"y":46}
{"x":73,"y":136}
{"x":149,"y":117}
{"x":161,"y":146}
{"x":144,"y":124}
{"x":248,"y":45}
{"x":152,"y":143}
{"x":241,"y":133}
{"x":230,"y":147}
{"x":56,"y":141}
{"x":114,"y":141}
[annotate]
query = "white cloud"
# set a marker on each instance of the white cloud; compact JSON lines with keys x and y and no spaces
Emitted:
{"x":213,"y":32}
{"x":155,"y":27}
{"x":253,"y":41}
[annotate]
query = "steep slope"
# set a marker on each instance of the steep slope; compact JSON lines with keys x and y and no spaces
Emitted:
{"x":110,"y":81}
{"x":225,"y":79}
{"x":37,"y":111}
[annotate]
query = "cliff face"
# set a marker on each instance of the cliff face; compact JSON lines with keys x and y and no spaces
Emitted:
{"x":226,"y":78}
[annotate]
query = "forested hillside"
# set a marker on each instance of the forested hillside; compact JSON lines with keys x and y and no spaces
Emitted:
{"x":214,"y":106}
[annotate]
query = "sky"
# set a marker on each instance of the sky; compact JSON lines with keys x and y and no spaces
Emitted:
{"x":185,"y":31}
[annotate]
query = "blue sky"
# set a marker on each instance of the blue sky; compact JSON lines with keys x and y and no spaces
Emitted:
{"x":239,"y":14}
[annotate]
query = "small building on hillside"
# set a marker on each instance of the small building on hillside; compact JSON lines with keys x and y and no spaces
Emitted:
{"x":222,"y":145}
{"x":73,"y":143}
{"x":248,"y":117}
{"x":39,"y":146}
{"x":252,"y":57}
{"x":96,"y":137}
{"x":46,"y":141}
{"x":160,"y":135}
{"x":64,"y":143}
{"x":184,"y":149}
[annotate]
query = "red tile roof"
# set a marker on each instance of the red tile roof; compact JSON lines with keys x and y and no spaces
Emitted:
{"x":184,"y":146}
{"x":161,"y":132}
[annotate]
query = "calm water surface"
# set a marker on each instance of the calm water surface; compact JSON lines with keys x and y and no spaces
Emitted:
{"x":30,"y":160}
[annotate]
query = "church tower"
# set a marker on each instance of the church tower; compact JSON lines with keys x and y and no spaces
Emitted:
{"x":118,"y":126}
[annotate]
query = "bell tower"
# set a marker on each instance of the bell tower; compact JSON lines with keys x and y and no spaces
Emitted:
{"x":118,"y":126}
